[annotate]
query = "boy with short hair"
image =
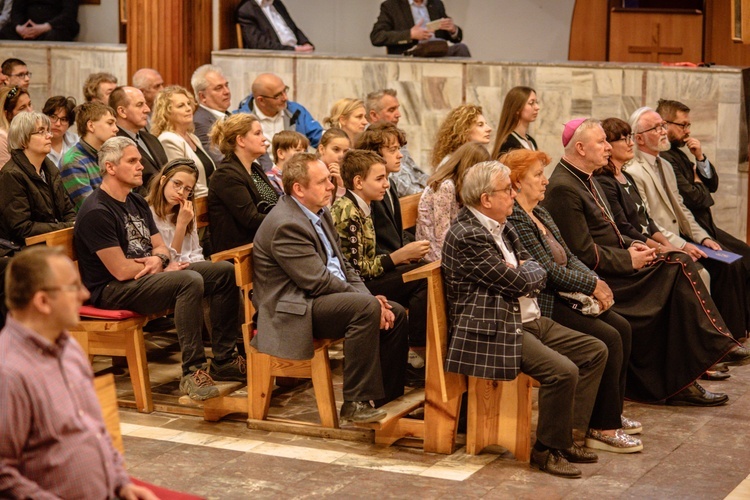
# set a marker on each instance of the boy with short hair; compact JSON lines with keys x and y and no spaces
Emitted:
{"x":366,"y":181}
{"x":285,"y":144}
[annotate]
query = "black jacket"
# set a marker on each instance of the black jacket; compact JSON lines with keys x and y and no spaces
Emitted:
{"x":394,"y":24}
{"x":389,"y":230}
{"x":31,"y":206}
{"x":257,"y":30}
{"x":233,"y":205}
{"x":152,"y":160}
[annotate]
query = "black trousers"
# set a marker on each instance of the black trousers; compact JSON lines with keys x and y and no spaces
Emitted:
{"x":615,"y":332}
{"x":412,"y":295}
{"x":374,"y":359}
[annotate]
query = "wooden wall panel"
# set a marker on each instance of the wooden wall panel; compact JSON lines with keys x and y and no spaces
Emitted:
{"x":644,"y":36}
{"x":171,"y":36}
{"x":720,"y":48}
{"x":227,"y":22}
{"x":588,"y":31}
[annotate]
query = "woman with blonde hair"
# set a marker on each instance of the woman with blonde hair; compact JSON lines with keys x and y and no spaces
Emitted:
{"x":520,"y":108}
{"x":172,"y":123}
{"x":13,"y":100}
{"x":240,"y":194}
{"x":349,"y":115}
{"x":441,"y":199}
{"x":463,"y":124}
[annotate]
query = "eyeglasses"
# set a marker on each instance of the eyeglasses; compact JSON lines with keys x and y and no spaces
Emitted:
{"x":42,"y":132}
{"x":627,"y":138}
{"x":277,"y":96}
{"x":27,"y":74}
{"x":509,"y":190}
{"x":59,"y":119}
{"x":662,"y":126}
{"x":684,"y":126}
{"x":181,"y":188}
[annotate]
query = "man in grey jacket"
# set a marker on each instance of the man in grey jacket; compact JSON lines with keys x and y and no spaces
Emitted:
{"x":304,"y":288}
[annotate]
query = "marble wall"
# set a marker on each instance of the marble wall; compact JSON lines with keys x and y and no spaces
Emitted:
{"x":428,"y":89}
{"x":60,"y":68}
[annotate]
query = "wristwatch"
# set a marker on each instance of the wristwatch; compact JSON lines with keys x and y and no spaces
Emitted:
{"x":164,"y":259}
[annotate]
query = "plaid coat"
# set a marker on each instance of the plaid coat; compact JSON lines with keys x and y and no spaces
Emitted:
{"x":482,"y":293}
{"x":575,"y":277}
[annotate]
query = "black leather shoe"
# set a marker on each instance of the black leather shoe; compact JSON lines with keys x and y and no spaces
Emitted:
{"x":715,"y":375}
{"x":361,"y":412}
{"x":552,"y":462}
{"x":737,"y":357}
{"x":576,"y":454}
{"x":696,"y":395}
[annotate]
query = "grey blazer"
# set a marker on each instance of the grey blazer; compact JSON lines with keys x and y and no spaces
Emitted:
{"x":289,"y":272}
{"x":482,"y":294}
{"x":203,"y":121}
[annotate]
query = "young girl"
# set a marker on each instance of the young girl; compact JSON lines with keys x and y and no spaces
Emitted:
{"x":520,"y":108}
{"x":333,"y":146}
{"x":284,"y":145}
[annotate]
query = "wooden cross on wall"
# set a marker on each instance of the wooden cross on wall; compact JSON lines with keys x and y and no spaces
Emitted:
{"x":655,"y":49}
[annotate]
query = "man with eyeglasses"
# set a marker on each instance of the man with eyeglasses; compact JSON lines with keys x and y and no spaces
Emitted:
{"x":16,"y":74}
{"x":657,"y":183}
{"x":126,"y":264}
{"x":695,"y":181}
{"x":55,"y":443}
{"x":270,"y":102}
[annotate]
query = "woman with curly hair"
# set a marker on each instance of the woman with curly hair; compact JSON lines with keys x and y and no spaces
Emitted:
{"x":441,"y":199}
{"x":463,"y":124}
{"x":349,"y":115}
{"x":520,"y":108}
{"x":172,"y":123}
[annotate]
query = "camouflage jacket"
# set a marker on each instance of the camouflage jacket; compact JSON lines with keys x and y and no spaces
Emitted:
{"x":357,"y":235}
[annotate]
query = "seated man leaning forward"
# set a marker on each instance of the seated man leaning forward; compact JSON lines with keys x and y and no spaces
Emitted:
{"x":54,"y":443}
{"x":497,"y":329}
{"x":304,"y":288}
{"x":126,"y":265}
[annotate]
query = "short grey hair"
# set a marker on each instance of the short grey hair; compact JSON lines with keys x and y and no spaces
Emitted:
{"x":23,"y":126}
{"x":372,"y":101}
{"x":583,"y":128}
{"x":480,"y":179}
{"x":198,"y":80}
{"x":142,"y":77}
{"x":112,"y":151}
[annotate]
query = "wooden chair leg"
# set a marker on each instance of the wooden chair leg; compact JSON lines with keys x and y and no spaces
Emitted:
{"x":82,"y":337}
{"x":135,"y":351}
{"x":259,"y":390}
{"x":321,"y":379}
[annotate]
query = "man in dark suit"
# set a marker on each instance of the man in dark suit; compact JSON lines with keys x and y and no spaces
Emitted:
{"x":305,"y":288}
{"x":267,"y":25}
{"x":402,"y":24}
{"x":211,"y":90}
{"x":132,"y":116}
{"x":497,"y":329}
{"x":695,"y":181}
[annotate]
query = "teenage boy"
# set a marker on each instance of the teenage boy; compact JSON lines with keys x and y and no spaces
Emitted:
{"x":366,"y":180}
{"x":285,"y":144}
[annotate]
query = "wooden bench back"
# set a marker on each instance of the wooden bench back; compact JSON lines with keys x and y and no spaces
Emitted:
{"x":451,"y":384}
{"x":200,"y":206}
{"x":242,"y":258}
{"x":106,"y":392}
{"x":62,"y":238}
{"x":409,"y":205}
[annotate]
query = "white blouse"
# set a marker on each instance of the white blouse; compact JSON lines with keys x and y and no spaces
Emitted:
{"x":191,"y":247}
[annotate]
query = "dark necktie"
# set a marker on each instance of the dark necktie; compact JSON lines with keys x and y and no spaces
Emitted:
{"x":658,"y":167}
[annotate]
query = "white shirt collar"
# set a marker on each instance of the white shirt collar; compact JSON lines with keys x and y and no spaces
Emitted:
{"x":262,"y":116}
{"x":215,"y":112}
{"x":361,"y":204}
{"x":264,"y":3}
{"x":493,"y":226}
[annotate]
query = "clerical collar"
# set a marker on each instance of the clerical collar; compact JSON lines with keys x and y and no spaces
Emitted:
{"x":575,"y":170}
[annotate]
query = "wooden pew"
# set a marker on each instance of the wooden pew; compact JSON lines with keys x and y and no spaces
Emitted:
{"x":409,"y":205}
{"x":499,"y":413}
{"x":106,"y":393}
{"x":107,"y":333}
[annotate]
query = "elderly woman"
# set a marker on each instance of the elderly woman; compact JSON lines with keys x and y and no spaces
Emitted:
{"x":32,"y":196}
{"x":441,"y":199}
{"x":13,"y":100}
{"x":240,"y":195}
{"x":172,"y":123}
{"x":463,"y":124}
{"x":348,"y":115}
{"x":61,"y":113}
{"x":608,"y":428}
{"x":520,"y":108}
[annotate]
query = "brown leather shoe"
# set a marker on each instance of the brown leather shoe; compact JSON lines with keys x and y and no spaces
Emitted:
{"x":552,"y":462}
{"x":577,"y":455}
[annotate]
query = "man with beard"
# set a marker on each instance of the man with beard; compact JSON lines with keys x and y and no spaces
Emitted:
{"x":656,"y":181}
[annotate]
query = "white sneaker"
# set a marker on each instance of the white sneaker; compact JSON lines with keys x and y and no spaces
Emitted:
{"x":415,"y":360}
